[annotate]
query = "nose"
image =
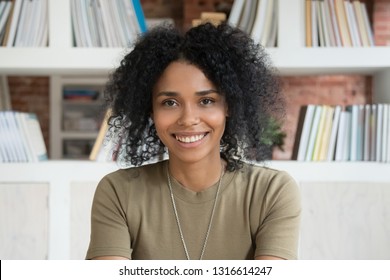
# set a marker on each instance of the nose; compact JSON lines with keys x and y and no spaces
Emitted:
{"x":189,"y":116}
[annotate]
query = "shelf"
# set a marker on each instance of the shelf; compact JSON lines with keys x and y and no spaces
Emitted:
{"x":78,"y":135}
{"x":310,"y":61}
{"x":102,"y":61}
{"x":49,"y":61}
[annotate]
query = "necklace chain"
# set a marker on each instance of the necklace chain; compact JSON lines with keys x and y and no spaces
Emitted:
{"x":211,"y":216}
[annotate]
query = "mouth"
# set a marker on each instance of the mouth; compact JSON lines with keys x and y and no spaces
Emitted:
{"x":189,"y":139}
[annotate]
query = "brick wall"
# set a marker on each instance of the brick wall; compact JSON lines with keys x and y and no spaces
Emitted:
{"x":323,"y":89}
{"x":381,"y":22}
{"x":32,"y":93}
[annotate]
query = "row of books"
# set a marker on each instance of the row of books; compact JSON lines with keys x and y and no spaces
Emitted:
{"x":21,"y":138}
{"x":343,"y":133}
{"x":259,"y":18}
{"x":23,"y":23}
{"x":80,"y":93}
{"x":106,"y":23}
{"x":337,"y":23}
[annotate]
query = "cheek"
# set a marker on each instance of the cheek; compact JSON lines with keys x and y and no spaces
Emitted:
{"x":217,"y":118}
{"x":161,"y":122}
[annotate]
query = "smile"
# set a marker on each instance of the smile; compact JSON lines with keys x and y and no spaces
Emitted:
{"x":190,"y":139}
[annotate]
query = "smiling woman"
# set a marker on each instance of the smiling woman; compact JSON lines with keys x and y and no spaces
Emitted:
{"x":204,"y":98}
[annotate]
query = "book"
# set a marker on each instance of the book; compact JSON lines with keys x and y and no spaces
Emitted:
{"x":367,"y":132}
{"x":360,"y":23}
{"x":320,"y":25}
{"x":5,"y":15}
{"x":379,"y":131}
{"x":258,"y":25}
{"x":385,"y":132}
{"x":333,"y":133}
{"x":140,"y":15}
{"x":252,"y":15}
{"x":8,"y":139}
{"x":119,"y":34}
{"x":342,"y":136}
{"x":272,"y":39}
{"x":267,"y":23}
{"x":75,"y":23}
{"x":354,"y":131}
{"x":367,"y":24}
{"x":131,"y":16}
{"x":16,"y":135}
{"x":24,"y":22}
{"x":320,"y":133}
{"x":313,"y":133}
{"x":330,"y":37}
{"x":33,"y":132}
{"x":101,"y":36}
{"x":107,"y":23}
{"x":99,"y":142}
{"x":360,"y":133}
{"x":22,"y":139}
{"x":325,"y":17}
{"x":15,"y":17}
{"x":387,"y":156}
{"x":308,"y":24}
{"x":125,"y":23}
{"x":235,"y":12}
{"x":373,"y":128}
{"x":248,"y":15}
{"x":325,"y":140}
{"x":335,"y":26}
{"x":314,"y":24}
{"x":4,"y":150}
{"x":303,"y":131}
{"x":342,"y":23}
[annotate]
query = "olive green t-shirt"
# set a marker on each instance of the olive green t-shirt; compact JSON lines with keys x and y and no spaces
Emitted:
{"x":257,"y":213}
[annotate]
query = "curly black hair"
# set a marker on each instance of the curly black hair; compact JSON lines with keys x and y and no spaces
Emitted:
{"x":239,"y":68}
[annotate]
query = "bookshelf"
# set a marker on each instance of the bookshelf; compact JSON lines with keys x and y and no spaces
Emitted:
{"x":65,"y":64}
{"x":75,"y":121}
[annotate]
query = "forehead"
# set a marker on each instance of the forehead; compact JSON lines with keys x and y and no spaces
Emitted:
{"x":181,"y":74}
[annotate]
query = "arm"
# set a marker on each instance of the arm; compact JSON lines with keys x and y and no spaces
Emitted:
{"x":110,"y":237}
{"x":278,"y":233}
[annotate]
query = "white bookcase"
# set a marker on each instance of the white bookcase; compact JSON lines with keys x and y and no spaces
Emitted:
{"x":67,"y":64}
{"x":291,"y":57}
{"x":64,"y":135}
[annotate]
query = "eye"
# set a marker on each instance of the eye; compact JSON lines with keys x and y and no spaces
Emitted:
{"x":207,"y":101}
{"x":169,"y":103}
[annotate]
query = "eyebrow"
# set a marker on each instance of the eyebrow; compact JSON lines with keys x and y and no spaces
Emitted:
{"x":198,"y":93}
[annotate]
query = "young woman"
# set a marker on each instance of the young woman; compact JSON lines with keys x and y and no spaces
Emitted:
{"x":204,"y":98}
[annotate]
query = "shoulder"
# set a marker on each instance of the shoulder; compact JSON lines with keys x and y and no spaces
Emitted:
{"x":125,"y":179}
{"x":272,"y":183}
{"x":265,"y":174}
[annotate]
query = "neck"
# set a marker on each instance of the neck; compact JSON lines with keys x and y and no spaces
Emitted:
{"x":197,"y":176}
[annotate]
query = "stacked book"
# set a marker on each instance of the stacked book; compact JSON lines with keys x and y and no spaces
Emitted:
{"x":23,"y":23}
{"x":21,"y":138}
{"x":106,"y":23}
{"x":259,"y":18}
{"x":343,"y":133}
{"x":337,"y":23}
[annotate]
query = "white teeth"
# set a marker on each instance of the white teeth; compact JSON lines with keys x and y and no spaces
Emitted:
{"x":187,"y":139}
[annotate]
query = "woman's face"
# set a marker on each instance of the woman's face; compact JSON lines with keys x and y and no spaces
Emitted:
{"x":189,"y":113}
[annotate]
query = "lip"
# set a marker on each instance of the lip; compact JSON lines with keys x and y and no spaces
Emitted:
{"x":189,"y":139}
